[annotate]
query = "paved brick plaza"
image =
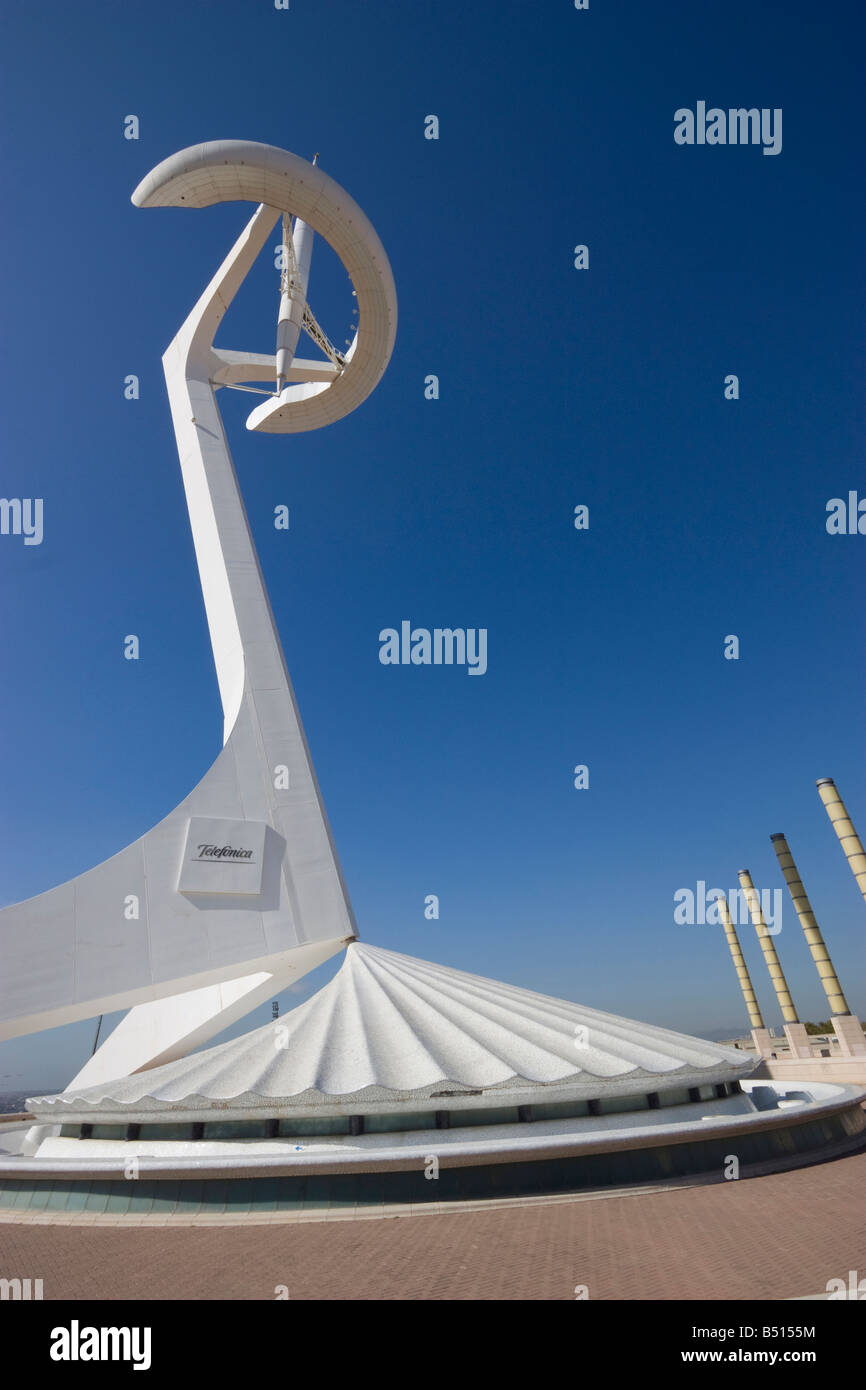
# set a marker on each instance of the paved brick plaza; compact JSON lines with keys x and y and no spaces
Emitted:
{"x":779,"y":1236}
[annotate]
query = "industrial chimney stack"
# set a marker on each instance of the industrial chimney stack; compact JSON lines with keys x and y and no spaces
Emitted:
{"x":760,"y":1034}
{"x":846,"y":1025}
{"x":841,"y":822}
{"x":795,"y":1031}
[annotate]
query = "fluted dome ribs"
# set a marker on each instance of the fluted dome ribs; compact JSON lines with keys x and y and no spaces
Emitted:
{"x":389,"y":1027}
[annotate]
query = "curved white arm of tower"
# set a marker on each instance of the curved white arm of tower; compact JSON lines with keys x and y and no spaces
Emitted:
{"x":238,"y":891}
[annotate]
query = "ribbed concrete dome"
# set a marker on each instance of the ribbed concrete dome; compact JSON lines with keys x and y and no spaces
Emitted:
{"x":392,"y":1028}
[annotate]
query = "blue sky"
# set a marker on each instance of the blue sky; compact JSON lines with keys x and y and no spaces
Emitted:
{"x":558,"y":387}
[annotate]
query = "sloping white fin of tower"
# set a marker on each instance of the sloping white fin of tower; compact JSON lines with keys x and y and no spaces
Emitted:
{"x":238,"y":891}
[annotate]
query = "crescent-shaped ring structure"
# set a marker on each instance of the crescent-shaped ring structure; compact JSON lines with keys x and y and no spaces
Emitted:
{"x":224,"y":170}
{"x":238,"y":892}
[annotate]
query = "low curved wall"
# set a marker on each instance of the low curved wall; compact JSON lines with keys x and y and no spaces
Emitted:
{"x":262,"y":1183}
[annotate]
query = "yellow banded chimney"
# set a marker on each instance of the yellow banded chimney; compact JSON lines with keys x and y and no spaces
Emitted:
{"x":760,"y":1034}
{"x":841,"y":822}
{"x":795,"y":1031}
{"x":740,"y":966}
{"x":814,"y":939}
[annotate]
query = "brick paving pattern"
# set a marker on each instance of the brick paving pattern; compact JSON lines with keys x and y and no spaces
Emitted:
{"x":778,"y":1236}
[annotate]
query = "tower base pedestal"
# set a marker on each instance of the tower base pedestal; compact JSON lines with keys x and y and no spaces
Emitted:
{"x":852,"y":1040}
{"x":763,"y":1042}
{"x":798,"y":1040}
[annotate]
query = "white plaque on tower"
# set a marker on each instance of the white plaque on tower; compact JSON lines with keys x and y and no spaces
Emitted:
{"x":223,"y":856}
